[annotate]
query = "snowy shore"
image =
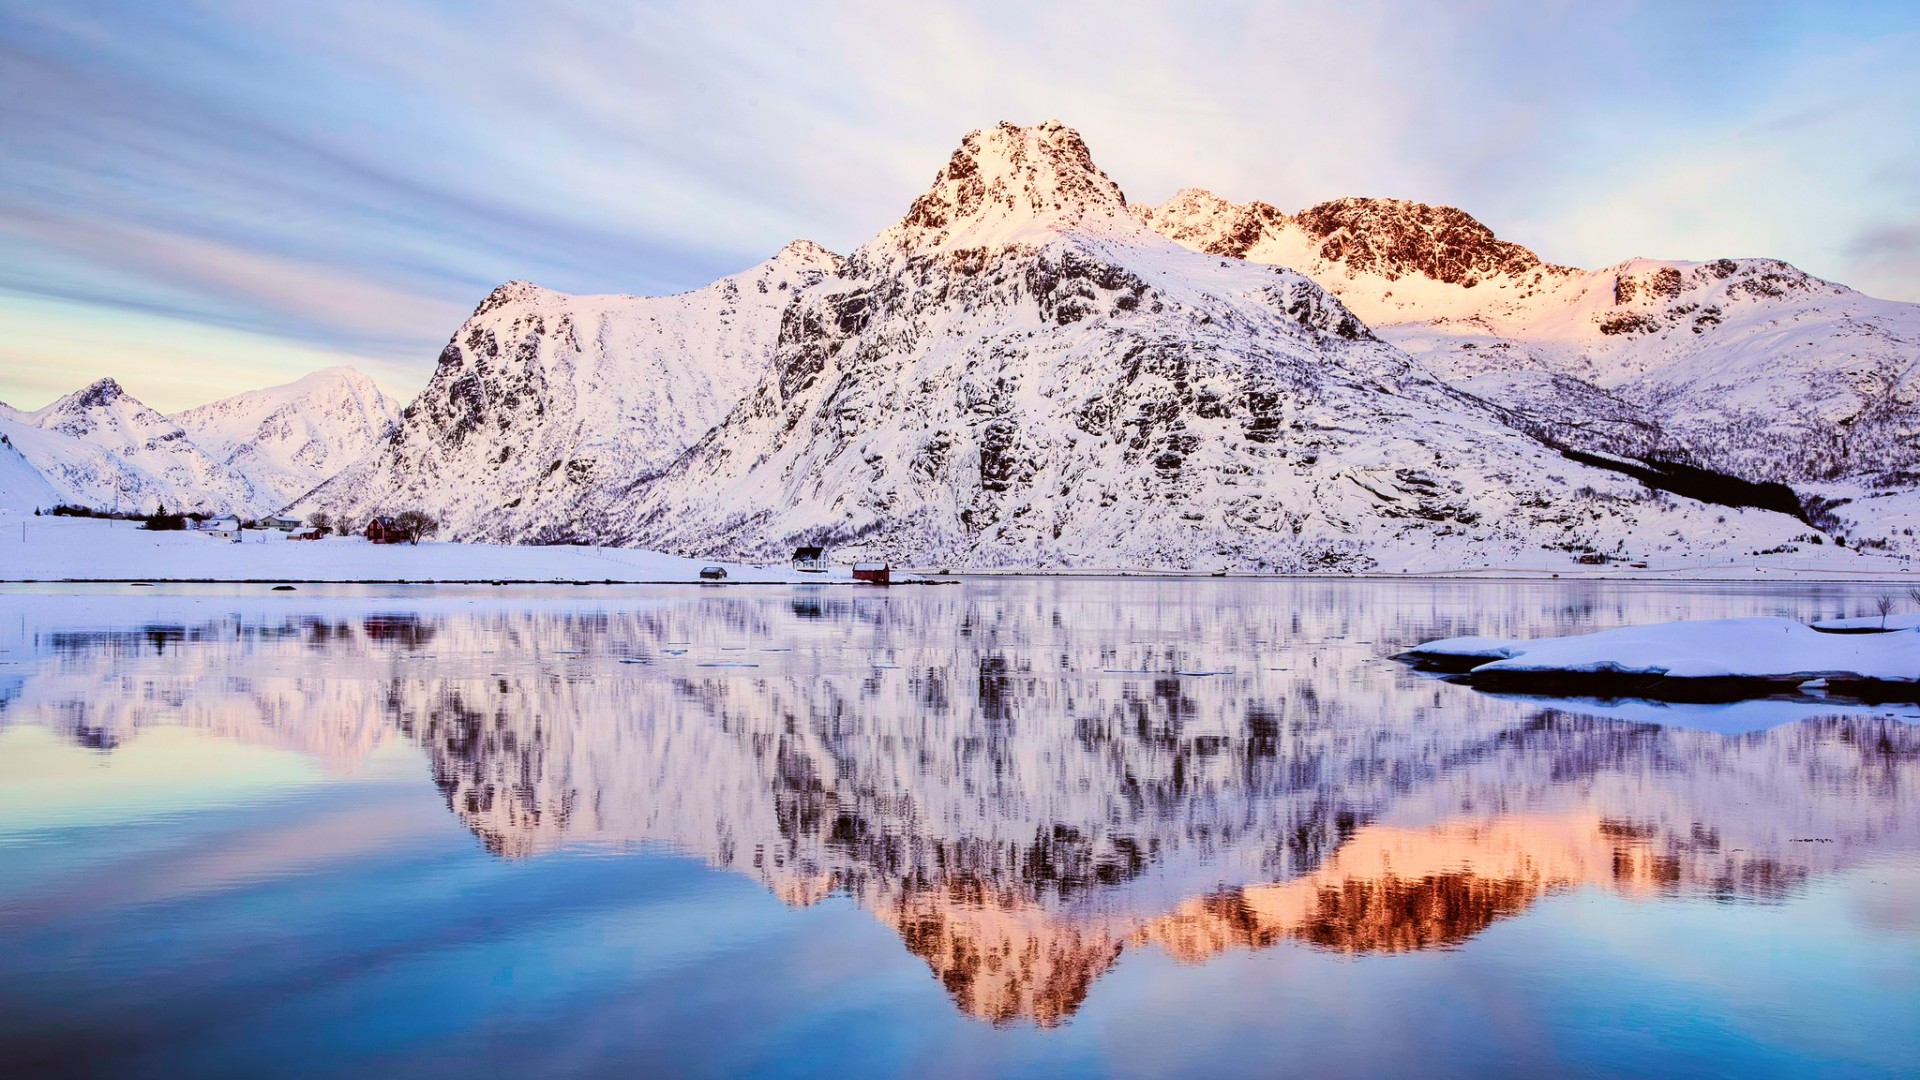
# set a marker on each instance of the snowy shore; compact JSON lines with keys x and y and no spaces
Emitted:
{"x":87,"y":549}
{"x":1693,"y":660}
{"x":90,"y":549}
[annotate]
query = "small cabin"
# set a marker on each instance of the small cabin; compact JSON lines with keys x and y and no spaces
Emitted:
{"x":284,"y":524}
{"x":220,"y":528}
{"x":876,"y":573}
{"x":310,"y":534}
{"x":811,"y":559}
{"x":713,"y":573}
{"x":383,"y":530}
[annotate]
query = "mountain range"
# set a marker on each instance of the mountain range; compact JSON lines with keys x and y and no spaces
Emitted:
{"x":1026,"y":370}
{"x":249,"y":454}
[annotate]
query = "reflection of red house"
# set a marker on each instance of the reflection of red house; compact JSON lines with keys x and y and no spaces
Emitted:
{"x":382,"y":530}
{"x":397,"y":629}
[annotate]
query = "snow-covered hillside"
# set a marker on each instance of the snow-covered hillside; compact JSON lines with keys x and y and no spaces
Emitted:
{"x":1747,"y":365}
{"x":289,"y":439}
{"x":547,"y":409}
{"x":21,"y":485}
{"x":100,"y":447}
{"x":1020,"y":373}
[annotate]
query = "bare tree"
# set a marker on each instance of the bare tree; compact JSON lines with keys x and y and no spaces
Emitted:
{"x":1884,"y":606}
{"x":416,"y":524}
{"x":320,"y":520}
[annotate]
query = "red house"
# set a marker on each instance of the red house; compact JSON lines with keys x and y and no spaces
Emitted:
{"x":875,"y":572}
{"x":382,"y":530}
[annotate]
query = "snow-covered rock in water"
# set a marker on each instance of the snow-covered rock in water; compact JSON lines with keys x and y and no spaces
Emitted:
{"x":289,"y":439}
{"x":1747,"y":365}
{"x":102,"y":448}
{"x":1020,"y":373}
{"x":547,"y":409}
{"x":1771,"y":649}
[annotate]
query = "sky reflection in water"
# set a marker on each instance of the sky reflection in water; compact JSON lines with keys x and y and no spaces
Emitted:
{"x":950,"y":831}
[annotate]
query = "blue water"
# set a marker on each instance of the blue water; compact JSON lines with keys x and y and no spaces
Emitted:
{"x":978,"y":830}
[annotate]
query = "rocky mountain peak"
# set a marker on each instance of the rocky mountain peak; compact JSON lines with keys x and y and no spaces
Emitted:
{"x":100,"y":392}
{"x":510,"y":292}
{"x":807,"y":254}
{"x":1007,"y":183}
{"x":101,"y":404}
{"x":1199,"y":219}
{"x":1397,"y":237}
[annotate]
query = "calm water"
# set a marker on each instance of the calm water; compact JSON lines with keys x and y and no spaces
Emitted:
{"x":1042,"y":828}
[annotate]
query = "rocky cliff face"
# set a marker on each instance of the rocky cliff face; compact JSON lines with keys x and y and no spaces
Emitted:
{"x":1388,"y":238}
{"x":546,"y":409}
{"x":1020,"y":373}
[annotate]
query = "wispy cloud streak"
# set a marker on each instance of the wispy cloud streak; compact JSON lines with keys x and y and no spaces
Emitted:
{"x":350,"y":177}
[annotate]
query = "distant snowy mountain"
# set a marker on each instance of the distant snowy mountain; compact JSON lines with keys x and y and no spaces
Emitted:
{"x":100,"y":447}
{"x":1748,"y":365}
{"x":547,"y":409}
{"x":1021,"y":373}
{"x":289,"y":439}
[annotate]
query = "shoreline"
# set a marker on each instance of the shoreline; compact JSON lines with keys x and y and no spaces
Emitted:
{"x":1490,"y":575}
{"x":50,"y":551}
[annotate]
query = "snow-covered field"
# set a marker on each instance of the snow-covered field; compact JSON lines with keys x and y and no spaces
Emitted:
{"x":90,"y":549}
{"x":82,"y":549}
{"x":1760,"y":648}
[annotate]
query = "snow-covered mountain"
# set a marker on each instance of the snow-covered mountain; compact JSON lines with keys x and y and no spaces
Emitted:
{"x":100,"y":447}
{"x":286,"y":440}
{"x":1747,"y":365}
{"x":1022,"y":373}
{"x":21,"y":485}
{"x":547,"y":409}
{"x":1027,"y":371}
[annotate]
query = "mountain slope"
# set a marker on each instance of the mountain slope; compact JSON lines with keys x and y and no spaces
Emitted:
{"x":546,"y":407}
{"x":1748,"y":365}
{"x":100,"y":447}
{"x":288,"y":439}
{"x":1021,"y":373}
{"x":21,"y":485}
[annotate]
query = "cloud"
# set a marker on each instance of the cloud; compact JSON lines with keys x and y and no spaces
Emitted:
{"x":329,"y":173}
{"x":1884,"y":258}
{"x":1888,"y":243}
{"x":50,"y":346}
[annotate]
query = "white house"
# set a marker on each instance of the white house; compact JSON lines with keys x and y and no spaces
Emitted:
{"x":220,"y":528}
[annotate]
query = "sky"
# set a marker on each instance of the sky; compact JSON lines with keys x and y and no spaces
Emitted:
{"x":200,"y":197}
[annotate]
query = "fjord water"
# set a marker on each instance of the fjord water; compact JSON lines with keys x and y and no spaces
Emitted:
{"x":1040,"y":827}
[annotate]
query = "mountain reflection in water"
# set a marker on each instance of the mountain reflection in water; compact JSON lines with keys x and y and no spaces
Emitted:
{"x":1027,"y":780}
